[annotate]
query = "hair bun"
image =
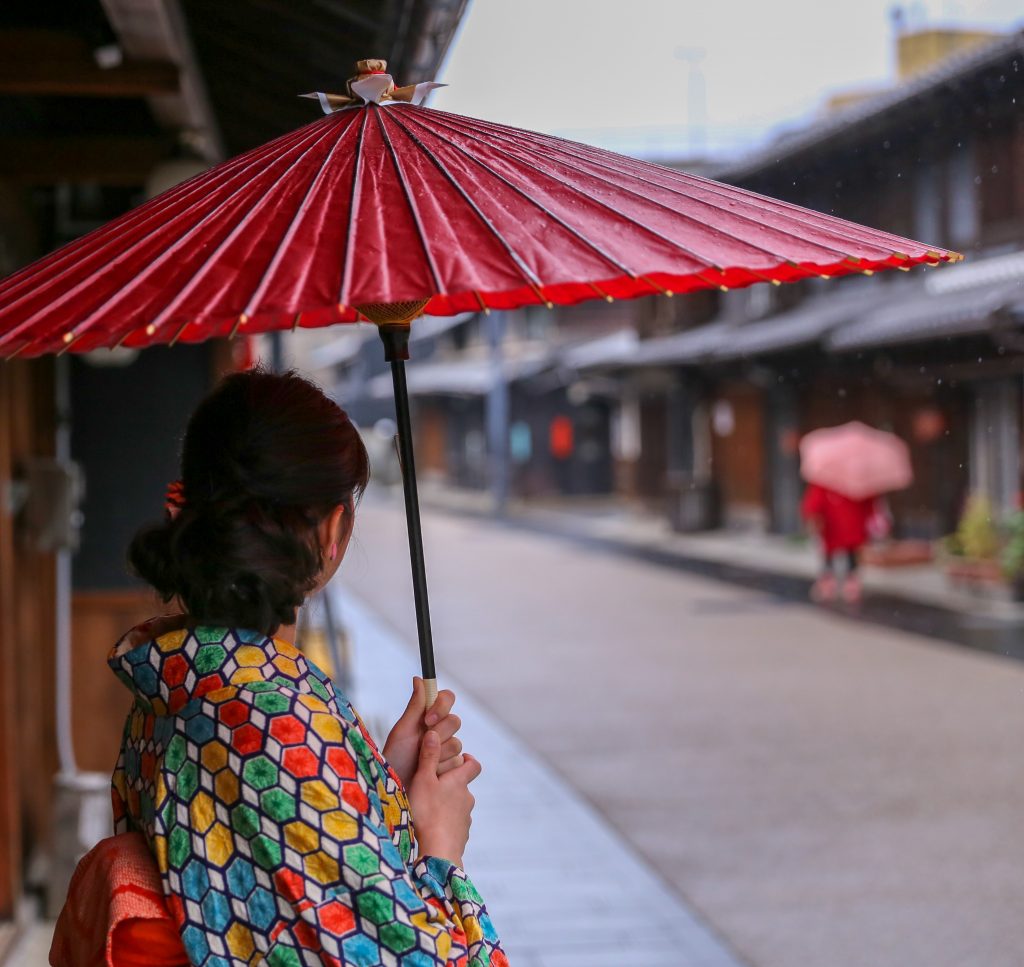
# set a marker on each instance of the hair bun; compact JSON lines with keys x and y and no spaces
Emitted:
{"x":149,"y":556}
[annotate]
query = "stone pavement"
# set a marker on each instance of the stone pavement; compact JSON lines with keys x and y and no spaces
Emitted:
{"x":823,"y":791}
{"x":33,"y":947}
{"x":915,"y":598}
{"x":563,"y":888}
{"x":612,"y":520}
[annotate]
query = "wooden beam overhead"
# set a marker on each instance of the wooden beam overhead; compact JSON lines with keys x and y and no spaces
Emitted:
{"x":74,"y":78}
{"x":156,"y":30}
{"x":107,"y":160}
{"x":52,"y":63}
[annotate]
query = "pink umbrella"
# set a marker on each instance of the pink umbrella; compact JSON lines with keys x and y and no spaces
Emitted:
{"x":855,"y":460}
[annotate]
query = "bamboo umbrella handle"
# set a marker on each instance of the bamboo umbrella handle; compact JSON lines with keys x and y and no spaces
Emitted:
{"x":395,"y":337}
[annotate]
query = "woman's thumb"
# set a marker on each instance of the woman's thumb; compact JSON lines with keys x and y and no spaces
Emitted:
{"x":430,"y":753}
{"x":418,"y":701}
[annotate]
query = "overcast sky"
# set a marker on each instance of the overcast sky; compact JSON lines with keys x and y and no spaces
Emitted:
{"x":613,"y":71}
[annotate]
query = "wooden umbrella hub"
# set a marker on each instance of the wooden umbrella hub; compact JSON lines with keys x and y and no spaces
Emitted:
{"x":393,"y":321}
{"x":392,"y":313}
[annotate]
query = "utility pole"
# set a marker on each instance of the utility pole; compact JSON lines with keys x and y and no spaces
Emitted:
{"x":696,"y":98}
{"x":497,"y":415}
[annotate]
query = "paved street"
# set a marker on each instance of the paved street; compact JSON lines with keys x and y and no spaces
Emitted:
{"x":820,"y":791}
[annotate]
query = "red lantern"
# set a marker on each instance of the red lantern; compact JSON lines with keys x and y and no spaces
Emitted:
{"x":560,"y":440}
{"x":929,"y":423}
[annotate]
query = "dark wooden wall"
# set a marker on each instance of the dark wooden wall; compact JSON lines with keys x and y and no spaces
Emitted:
{"x":28,"y":756}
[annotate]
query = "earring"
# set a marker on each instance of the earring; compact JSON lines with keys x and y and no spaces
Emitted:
{"x":334,"y":550}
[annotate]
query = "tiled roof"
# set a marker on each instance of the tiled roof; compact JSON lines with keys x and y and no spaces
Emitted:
{"x":923,"y":316}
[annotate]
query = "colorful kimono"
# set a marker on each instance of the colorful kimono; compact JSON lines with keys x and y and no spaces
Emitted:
{"x":280,"y":832}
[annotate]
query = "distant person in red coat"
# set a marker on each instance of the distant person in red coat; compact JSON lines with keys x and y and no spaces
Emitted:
{"x":844,"y":526}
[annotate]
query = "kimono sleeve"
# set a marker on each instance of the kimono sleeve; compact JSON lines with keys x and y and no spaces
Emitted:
{"x":343,"y":893}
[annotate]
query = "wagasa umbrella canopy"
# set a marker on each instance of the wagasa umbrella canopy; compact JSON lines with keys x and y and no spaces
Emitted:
{"x":401,"y":204}
{"x":385,"y":209}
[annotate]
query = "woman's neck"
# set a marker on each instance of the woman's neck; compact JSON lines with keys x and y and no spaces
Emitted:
{"x":286,"y":633}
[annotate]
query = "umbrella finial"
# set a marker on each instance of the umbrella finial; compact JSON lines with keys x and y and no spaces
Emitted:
{"x":375,"y":65}
{"x":372,"y":84}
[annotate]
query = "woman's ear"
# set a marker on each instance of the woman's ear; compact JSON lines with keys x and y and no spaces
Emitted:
{"x":335,"y":530}
{"x":339,"y":522}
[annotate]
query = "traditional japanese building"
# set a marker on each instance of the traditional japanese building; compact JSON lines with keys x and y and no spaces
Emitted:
{"x":935,"y":355}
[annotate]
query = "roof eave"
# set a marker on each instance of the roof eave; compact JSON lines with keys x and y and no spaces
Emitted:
{"x":873,"y":112}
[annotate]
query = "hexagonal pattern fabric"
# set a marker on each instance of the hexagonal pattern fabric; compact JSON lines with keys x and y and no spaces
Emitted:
{"x":281,"y":833}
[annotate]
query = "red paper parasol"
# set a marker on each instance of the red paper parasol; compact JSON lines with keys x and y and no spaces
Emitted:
{"x":393,"y":204}
{"x":385,"y":212}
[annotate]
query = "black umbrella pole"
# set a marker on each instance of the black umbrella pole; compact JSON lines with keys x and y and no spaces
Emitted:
{"x":396,"y":351}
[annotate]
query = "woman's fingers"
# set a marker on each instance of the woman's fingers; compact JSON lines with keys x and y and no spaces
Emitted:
{"x":468,"y":771}
{"x":451,"y":756}
{"x":450,"y":749}
{"x":441,"y":707}
{"x":448,"y":764}
{"x":447,"y":727}
{"x":440,"y":720}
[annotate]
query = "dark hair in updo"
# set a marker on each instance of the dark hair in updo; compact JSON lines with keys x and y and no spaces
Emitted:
{"x":266,"y":459}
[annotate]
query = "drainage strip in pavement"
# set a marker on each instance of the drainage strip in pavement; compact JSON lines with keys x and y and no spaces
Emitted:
{"x":563,"y":888}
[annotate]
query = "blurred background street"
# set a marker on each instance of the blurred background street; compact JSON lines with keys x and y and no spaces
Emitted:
{"x":820,"y":790}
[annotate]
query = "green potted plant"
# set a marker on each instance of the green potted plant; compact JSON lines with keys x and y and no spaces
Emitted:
{"x":1013,"y":554}
{"x":973,"y":551}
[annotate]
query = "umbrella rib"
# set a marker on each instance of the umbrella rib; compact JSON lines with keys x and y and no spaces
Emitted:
{"x":211,"y":259}
{"x":651,"y":231}
{"x":732,"y":214}
{"x":861,"y":234}
{"x":536,"y":153}
{"x":848,"y":231}
{"x":410,"y":201}
{"x":353,"y":210}
{"x":207,"y":262}
{"x":820,"y":221}
{"x":293,"y":225}
{"x":520,"y":264}
{"x":84,"y":283}
{"x":830,"y":223}
{"x":593,"y":246}
{"x":78,"y":248}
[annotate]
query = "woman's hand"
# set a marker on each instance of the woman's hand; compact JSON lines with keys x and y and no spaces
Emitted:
{"x":442,"y":805}
{"x":402,"y":748}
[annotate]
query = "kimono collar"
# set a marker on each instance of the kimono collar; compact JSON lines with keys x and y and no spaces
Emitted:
{"x":166,"y":664}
